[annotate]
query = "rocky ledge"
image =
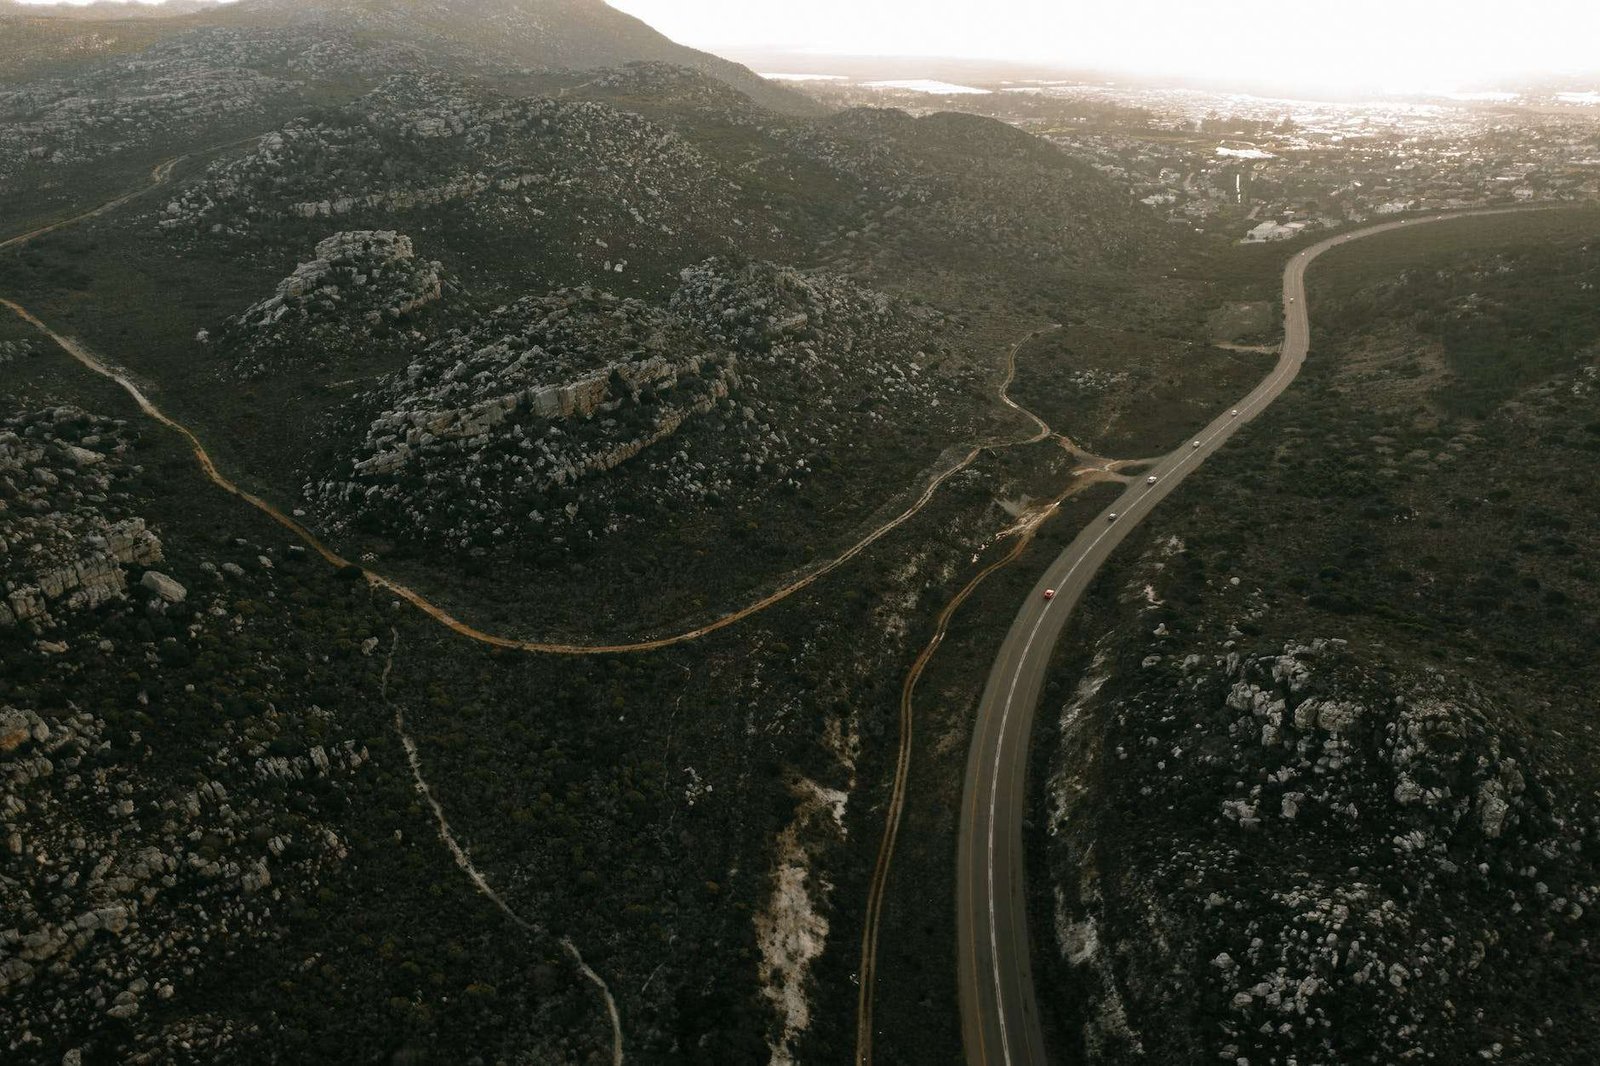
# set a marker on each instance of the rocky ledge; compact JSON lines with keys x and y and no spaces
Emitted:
{"x":63,"y":544}
{"x":356,"y":280}
{"x":566,"y":417}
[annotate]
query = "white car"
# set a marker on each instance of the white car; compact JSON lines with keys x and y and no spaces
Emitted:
{"x":1234,"y":413}
{"x":1151,"y":480}
{"x":1196,"y":444}
{"x":1112,"y":517}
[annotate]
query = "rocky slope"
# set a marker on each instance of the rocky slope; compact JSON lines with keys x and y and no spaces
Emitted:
{"x":578,"y":415}
{"x":567,"y":180}
{"x":1326,"y":791}
{"x":63,"y":550}
{"x":181,"y":93}
{"x":353,"y":292}
{"x":560,"y":34}
{"x":528,"y":340}
{"x":100,"y":10}
{"x":474,"y":34}
{"x":117,"y":878}
{"x":1336,"y":861}
{"x":1007,"y":197}
{"x":212,"y":841}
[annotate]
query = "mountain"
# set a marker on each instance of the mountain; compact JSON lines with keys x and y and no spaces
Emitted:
{"x":32,"y":43}
{"x":584,"y":337}
{"x":569,"y":34}
{"x":550,"y":34}
{"x":108,"y":9}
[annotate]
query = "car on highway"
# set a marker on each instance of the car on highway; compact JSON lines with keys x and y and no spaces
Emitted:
{"x":1151,"y":480}
{"x":1196,"y":444}
{"x":1112,"y":517}
{"x":1049,"y":594}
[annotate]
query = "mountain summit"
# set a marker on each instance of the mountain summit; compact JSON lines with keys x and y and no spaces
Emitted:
{"x":550,"y":34}
{"x":563,"y":34}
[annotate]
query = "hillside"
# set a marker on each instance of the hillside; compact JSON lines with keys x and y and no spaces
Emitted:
{"x":681,"y":395}
{"x":103,"y":10}
{"x":558,"y":34}
{"x":619,"y":187}
{"x":469,"y":34}
{"x":1331,"y":796}
{"x":32,"y":44}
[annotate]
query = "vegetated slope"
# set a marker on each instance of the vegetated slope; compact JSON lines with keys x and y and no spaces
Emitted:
{"x":76,"y":137}
{"x":500,"y":203}
{"x":980,"y":188}
{"x":951,"y":206}
{"x":559,"y":34}
{"x":583,"y":366}
{"x":210,"y":834}
{"x":562,"y":421}
{"x":631,"y":177}
{"x":101,"y":10}
{"x":1329,"y":792}
{"x":31,"y":42}
{"x":195,"y":749}
{"x":526,"y":189}
{"x":84,"y":103}
{"x":485,"y":336}
{"x":552,"y":34}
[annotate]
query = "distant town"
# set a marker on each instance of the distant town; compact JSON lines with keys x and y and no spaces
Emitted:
{"x":1259,"y":168}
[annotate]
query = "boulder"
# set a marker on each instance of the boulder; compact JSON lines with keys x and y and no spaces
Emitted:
{"x":164,"y":586}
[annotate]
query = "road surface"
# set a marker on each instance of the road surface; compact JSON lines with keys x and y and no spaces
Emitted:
{"x":1000,"y":1023}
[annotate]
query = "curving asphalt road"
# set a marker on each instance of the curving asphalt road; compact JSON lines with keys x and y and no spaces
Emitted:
{"x":999,"y":1011}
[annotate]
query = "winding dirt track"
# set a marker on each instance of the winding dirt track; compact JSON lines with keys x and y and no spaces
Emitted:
{"x":163,"y":173}
{"x":868,"y":969}
{"x":464,"y":863}
{"x":977,"y":1031}
{"x":443,"y":617}
{"x":160,"y":174}
{"x":158,"y":177}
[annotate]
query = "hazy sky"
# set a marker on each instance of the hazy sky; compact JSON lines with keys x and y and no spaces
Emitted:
{"x":1408,"y":44}
{"x":1400,"y":44}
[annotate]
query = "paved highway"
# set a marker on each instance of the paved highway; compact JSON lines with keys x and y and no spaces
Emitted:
{"x":999,"y":1011}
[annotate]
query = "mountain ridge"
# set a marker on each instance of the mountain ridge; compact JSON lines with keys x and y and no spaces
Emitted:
{"x":550,"y":34}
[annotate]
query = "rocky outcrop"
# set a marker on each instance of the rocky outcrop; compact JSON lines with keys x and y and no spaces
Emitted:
{"x":129,"y":905}
{"x":10,"y":351}
{"x":420,"y":142}
{"x":95,"y":578}
{"x":362,"y":276}
{"x":401,"y":433}
{"x":563,"y":416}
{"x":60,"y":549}
{"x":1364,"y":860}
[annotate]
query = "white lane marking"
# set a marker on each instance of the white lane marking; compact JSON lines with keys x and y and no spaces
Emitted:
{"x":1223,"y":427}
{"x":1302,"y":328}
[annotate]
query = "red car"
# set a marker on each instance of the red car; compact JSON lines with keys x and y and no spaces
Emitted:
{"x":1049,"y":594}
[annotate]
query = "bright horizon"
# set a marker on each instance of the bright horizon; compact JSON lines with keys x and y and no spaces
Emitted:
{"x":1406,"y":45}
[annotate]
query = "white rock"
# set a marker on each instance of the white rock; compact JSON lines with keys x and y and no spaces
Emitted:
{"x":164,"y":586}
